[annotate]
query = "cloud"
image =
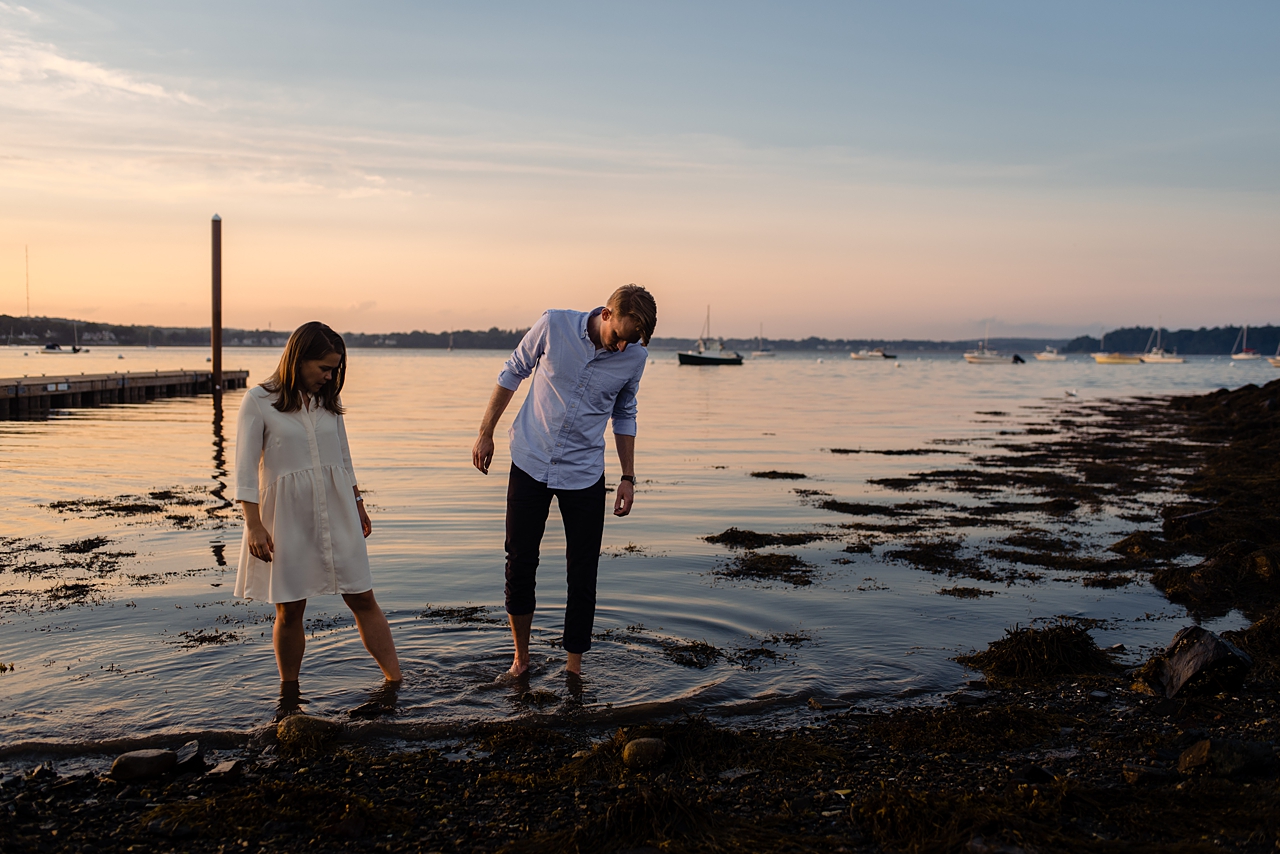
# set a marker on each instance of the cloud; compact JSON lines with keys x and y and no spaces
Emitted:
{"x":32,"y":73}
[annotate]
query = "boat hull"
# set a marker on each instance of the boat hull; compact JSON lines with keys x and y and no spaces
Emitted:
{"x":708,"y":359}
{"x":1245,"y":357}
{"x":986,"y":359}
{"x":1050,"y":357}
{"x":1116,"y":359}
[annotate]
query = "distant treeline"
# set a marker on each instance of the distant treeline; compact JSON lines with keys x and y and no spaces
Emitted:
{"x":37,"y":331}
{"x":1190,"y":342}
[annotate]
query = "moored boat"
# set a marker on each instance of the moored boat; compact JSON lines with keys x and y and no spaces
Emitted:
{"x":1050,"y":354}
{"x":1117,"y":358}
{"x":1244,"y":354}
{"x":704,"y":354}
{"x":877,"y":354}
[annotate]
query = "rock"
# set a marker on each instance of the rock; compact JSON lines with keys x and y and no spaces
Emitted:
{"x":1033,"y":775}
{"x":265,"y":737}
{"x":732,"y":774}
{"x":43,"y":772}
{"x":1225,"y":758}
{"x":1196,"y":662}
{"x":228,"y":769}
{"x":143,"y":764}
{"x":301,"y":735}
{"x":1145,"y":775}
{"x":190,"y":757}
{"x":826,"y":704}
{"x":1099,"y":695}
{"x":643,"y":752}
{"x":969,"y":698}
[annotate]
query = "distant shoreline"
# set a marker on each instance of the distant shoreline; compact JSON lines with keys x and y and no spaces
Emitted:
{"x":37,"y":331}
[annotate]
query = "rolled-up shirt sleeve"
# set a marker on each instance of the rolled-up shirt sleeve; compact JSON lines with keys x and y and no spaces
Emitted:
{"x":526,"y":355}
{"x":624,"y":406}
{"x":250,"y":439}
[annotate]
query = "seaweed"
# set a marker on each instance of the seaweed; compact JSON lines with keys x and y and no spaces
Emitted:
{"x":462,"y":614}
{"x":779,"y":475}
{"x":736,"y":538}
{"x":768,"y":567}
{"x":1032,"y":654}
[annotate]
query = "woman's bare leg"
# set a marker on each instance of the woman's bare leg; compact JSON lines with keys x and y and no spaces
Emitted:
{"x":375,"y":632}
{"x":289,"y":639}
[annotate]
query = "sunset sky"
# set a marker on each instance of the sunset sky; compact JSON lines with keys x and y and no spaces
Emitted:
{"x":835,"y":169}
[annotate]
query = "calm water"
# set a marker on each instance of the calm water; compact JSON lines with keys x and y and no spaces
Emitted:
{"x":99,"y":645}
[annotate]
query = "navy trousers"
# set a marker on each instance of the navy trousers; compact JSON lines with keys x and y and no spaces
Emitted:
{"x":528,"y":505}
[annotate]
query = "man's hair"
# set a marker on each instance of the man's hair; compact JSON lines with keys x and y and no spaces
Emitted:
{"x":308,"y":343}
{"x":635,"y":302}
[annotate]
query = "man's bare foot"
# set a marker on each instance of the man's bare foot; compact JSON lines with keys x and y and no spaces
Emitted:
{"x":574,"y":663}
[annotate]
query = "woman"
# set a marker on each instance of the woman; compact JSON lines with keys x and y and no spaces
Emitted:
{"x":305,"y":521}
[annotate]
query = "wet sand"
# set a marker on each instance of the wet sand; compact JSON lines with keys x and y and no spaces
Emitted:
{"x":1061,"y":753}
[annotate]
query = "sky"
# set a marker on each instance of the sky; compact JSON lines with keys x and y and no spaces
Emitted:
{"x":853,"y":170}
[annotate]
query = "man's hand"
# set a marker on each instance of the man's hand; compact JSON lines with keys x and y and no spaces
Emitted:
{"x":366,"y":524}
{"x":626,"y":498}
{"x":482,"y":452}
{"x":260,"y":543}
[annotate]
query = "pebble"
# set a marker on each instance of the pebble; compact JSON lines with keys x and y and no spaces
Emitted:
{"x":642,"y":752}
{"x":1099,"y":695}
{"x":1225,"y":758}
{"x":143,"y":764}
{"x":226,"y":770}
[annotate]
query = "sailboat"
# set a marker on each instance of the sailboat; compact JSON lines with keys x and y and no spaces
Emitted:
{"x":1275,"y":360}
{"x":54,"y":349}
{"x":704,"y":355}
{"x":981,"y":355}
{"x":1156,"y":355}
{"x":762,"y":350}
{"x":1245,"y":354}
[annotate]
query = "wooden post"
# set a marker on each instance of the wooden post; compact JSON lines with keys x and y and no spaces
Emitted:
{"x":215,"y":329}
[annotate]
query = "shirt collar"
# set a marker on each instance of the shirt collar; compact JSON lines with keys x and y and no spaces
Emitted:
{"x":586,"y":317}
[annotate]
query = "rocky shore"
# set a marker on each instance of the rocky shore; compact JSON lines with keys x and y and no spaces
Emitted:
{"x":1057,"y":749}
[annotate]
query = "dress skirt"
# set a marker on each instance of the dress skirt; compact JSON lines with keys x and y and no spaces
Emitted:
{"x":297,"y":467}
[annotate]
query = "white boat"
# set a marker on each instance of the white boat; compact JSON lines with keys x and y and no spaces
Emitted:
{"x":704,"y":354}
{"x":1050,"y":354}
{"x":762,"y":351}
{"x":877,"y":354}
{"x":1117,"y":358}
{"x":52,"y":349}
{"x":981,"y":355}
{"x":1275,"y":360}
{"x":1245,"y":354}
{"x":1156,"y":355}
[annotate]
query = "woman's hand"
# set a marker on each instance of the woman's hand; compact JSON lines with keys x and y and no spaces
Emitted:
{"x":365,"y":524}
{"x":260,"y":543}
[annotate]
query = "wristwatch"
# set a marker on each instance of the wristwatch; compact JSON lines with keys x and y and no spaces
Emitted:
{"x":629,"y":477}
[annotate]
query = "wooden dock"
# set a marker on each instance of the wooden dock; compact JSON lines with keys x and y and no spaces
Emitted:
{"x":28,"y":398}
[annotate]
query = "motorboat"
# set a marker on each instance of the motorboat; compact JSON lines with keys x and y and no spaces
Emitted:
{"x":1117,"y":358}
{"x":1244,"y":354}
{"x":876,"y":354}
{"x":1050,"y":354}
{"x":704,"y":354}
{"x":1156,"y":355}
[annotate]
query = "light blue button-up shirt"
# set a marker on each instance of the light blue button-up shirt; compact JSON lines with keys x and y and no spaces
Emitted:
{"x":558,"y":436}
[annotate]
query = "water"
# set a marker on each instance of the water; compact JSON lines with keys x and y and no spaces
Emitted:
{"x":110,"y":659}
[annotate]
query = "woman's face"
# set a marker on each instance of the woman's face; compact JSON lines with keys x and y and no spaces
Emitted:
{"x":317,"y":372}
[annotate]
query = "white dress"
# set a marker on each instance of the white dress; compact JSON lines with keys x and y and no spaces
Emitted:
{"x":297,"y":467}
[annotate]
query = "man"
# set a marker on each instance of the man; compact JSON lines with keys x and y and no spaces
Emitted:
{"x":586,"y":369}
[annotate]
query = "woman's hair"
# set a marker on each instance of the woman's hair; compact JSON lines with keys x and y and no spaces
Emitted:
{"x":308,"y":343}
{"x":635,"y":302}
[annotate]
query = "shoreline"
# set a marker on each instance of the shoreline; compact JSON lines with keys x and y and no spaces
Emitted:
{"x":1070,"y":762}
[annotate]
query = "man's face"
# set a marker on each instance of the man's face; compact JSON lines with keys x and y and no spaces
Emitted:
{"x":616,"y":331}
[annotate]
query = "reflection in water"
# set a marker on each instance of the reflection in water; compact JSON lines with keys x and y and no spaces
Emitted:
{"x":382,"y":701}
{"x":219,"y":490}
